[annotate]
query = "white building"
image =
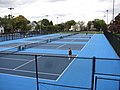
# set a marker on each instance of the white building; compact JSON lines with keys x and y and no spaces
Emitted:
{"x":33,"y":25}
{"x":92,"y":28}
{"x":72,"y":28}
{"x":1,"y":29}
{"x":76,"y":27}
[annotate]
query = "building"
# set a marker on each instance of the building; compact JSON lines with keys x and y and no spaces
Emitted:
{"x":1,"y":29}
{"x":33,"y":25}
{"x":76,"y":27}
{"x":92,"y":28}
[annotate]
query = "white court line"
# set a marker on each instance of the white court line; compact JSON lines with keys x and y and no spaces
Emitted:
{"x":15,"y":69}
{"x":25,"y":76}
{"x":49,"y":73}
{"x":5,"y":68}
{"x":60,"y":46}
{"x":18,"y":76}
{"x":87,"y":43}
{"x":66,"y":69}
{"x":39,"y":72}
{"x":25,"y":64}
{"x":31,"y":72}
{"x":15,"y":59}
{"x":35,"y":72}
{"x":73,"y":40}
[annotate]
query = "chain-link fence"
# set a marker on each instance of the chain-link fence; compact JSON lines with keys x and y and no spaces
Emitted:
{"x":114,"y":41}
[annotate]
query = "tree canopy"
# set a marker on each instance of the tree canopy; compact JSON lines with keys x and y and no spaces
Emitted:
{"x":98,"y":24}
{"x":68,"y":24}
{"x":115,"y":24}
{"x":21,"y":23}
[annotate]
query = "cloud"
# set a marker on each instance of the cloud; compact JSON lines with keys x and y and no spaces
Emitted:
{"x":55,"y":0}
{"x":60,"y":15}
{"x":116,"y":8}
{"x":15,"y":3}
{"x":6,"y":3}
{"x":104,"y":0}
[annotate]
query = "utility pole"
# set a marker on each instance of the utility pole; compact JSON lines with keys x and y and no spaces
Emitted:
{"x":11,"y":11}
{"x":107,"y":16}
{"x":11,"y":21}
{"x":57,"y":20}
{"x":113,"y":9}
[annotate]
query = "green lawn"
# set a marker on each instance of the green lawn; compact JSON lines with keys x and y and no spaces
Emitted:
{"x":118,"y":34}
{"x":82,"y":32}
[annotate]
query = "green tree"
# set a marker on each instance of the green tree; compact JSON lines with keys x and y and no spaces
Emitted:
{"x":45,"y":22}
{"x":46,"y":26}
{"x":98,"y":24}
{"x":51,"y":23}
{"x":89,"y":25}
{"x":59,"y":27}
{"x":68,"y":24}
{"x":81,"y":24}
{"x":117,"y":23}
{"x":6,"y":23}
{"x":21,"y":23}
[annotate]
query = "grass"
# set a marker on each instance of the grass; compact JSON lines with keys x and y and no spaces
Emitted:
{"x":83,"y":32}
{"x":118,"y":34}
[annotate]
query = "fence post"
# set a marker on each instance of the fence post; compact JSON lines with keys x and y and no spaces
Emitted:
{"x":95,"y":82}
{"x":93,"y":73}
{"x":119,"y":84}
{"x":36,"y":66}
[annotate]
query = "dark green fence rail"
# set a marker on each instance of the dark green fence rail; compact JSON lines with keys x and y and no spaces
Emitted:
{"x":114,"y":41}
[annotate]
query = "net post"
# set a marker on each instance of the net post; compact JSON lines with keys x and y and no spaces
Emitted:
{"x":93,"y":72}
{"x":119,"y":84}
{"x":36,"y":66}
{"x":95,"y":82}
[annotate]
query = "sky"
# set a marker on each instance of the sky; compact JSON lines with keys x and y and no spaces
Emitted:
{"x":61,"y":10}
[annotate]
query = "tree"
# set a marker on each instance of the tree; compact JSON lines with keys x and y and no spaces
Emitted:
{"x":89,"y":25}
{"x":6,"y":22}
{"x":46,"y":26}
{"x":21,"y":23}
{"x":45,"y":22}
{"x":68,"y":24}
{"x":98,"y":24}
{"x":60,"y":27}
{"x":51,"y":23}
{"x":117,"y":23}
{"x":81,"y":25}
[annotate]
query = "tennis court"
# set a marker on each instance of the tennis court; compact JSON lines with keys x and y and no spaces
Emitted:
{"x":49,"y":67}
{"x":54,"y":66}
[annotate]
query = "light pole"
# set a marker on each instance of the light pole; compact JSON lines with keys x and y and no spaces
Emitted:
{"x":11,"y":11}
{"x":40,"y":26}
{"x":113,"y":9}
{"x":11,"y":21}
{"x":46,"y":15}
{"x":107,"y":16}
{"x":57,"y":20}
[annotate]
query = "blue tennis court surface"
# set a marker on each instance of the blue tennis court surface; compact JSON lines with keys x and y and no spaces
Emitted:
{"x":17,"y":72}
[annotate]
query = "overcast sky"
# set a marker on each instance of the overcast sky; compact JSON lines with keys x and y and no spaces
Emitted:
{"x":60,"y":10}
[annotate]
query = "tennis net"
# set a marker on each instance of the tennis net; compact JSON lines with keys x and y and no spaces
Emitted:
{"x":37,"y":43}
{"x":34,"y":44}
{"x":7,"y":51}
